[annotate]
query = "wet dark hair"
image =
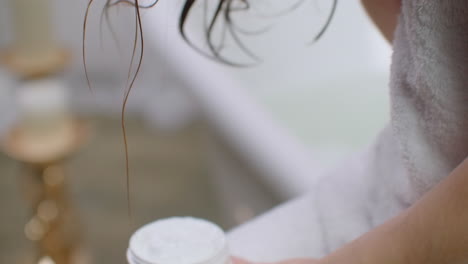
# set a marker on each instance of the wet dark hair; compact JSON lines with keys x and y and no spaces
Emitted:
{"x":222,"y":14}
{"x":138,"y":39}
{"x":223,"y":11}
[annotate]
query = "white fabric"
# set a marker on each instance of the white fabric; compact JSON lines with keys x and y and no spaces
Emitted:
{"x":426,"y":139}
{"x":296,"y":229}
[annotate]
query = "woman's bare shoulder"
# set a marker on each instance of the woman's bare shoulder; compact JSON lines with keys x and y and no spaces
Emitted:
{"x":384,"y":14}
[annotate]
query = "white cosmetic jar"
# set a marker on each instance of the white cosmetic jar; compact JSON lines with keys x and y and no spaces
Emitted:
{"x":179,"y":240}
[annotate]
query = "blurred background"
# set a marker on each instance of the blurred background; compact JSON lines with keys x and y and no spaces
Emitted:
{"x":205,"y":139}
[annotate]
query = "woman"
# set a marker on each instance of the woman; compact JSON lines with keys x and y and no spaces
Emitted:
{"x":429,"y":88}
{"x":408,"y":174}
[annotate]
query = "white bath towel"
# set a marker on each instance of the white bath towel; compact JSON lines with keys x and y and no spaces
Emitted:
{"x":426,"y":139}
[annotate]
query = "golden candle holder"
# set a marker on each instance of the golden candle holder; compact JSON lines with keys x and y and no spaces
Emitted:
{"x":34,"y":53}
{"x":54,"y":224}
{"x":34,"y":66}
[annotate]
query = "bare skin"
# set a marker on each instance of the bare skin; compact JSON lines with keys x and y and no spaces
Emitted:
{"x":292,"y":261}
{"x":433,"y":230}
{"x":384,"y":14}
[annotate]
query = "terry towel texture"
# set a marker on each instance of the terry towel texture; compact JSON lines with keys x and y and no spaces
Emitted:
{"x":426,"y":139}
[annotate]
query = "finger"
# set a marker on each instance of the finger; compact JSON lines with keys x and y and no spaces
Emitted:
{"x":300,"y":261}
{"x":236,"y":260}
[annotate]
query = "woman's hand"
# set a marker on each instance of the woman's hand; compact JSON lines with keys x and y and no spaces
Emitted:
{"x":292,"y":261}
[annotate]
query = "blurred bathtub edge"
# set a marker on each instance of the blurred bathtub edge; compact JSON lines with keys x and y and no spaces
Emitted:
{"x":284,"y":164}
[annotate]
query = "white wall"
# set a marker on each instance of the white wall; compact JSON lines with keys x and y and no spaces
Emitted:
{"x":318,"y":91}
{"x":333,"y":94}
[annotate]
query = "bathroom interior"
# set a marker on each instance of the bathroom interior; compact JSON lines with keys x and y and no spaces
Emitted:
{"x":204,"y":139}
